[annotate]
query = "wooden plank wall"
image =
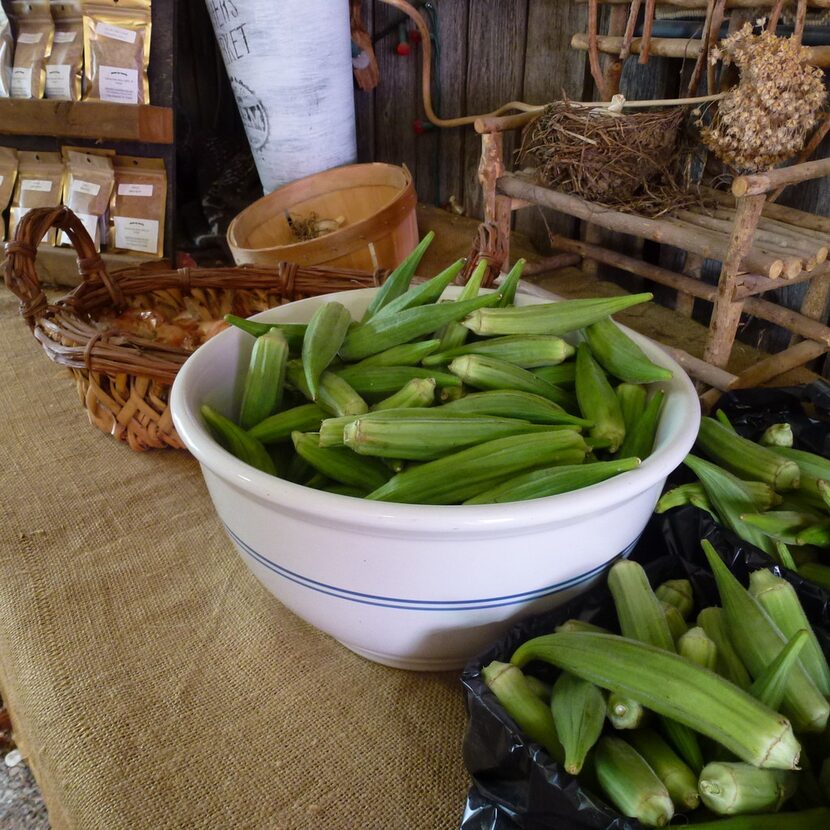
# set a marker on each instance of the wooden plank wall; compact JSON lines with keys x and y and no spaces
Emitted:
{"x":490,"y":52}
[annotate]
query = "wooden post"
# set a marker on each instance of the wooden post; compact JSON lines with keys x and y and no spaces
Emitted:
{"x":613,"y":68}
{"x":727,"y":312}
{"x":497,"y":210}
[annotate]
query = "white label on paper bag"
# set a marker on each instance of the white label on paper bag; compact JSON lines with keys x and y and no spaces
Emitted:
{"x":65,"y":37}
{"x":2,"y":179}
{"x":20,"y":212}
{"x":42,"y":185}
{"x":115,"y":32}
{"x":21,"y":86}
{"x":57,"y":81}
{"x":118,"y":84}
{"x":134,"y":189}
{"x":90,"y":188}
{"x":136,"y":234}
{"x":29,"y":37}
{"x":89,"y":222}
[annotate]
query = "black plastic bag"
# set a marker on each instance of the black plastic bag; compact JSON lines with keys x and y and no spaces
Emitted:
{"x":516,"y":785}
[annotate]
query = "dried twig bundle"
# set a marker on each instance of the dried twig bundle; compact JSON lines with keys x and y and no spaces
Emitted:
{"x":627,"y":161}
{"x":764,"y":120}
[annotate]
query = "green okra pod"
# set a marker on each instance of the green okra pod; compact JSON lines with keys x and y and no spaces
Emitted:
{"x":236,"y":441}
{"x":552,"y":481}
{"x":730,"y":788}
{"x":292,"y":332}
{"x":340,"y":464}
{"x":425,"y":293}
{"x":620,"y":356}
{"x":549,"y":318}
{"x":304,"y":418}
{"x":564,"y":374}
{"x":398,"y":281}
{"x":386,"y":380}
{"x":678,"y":778}
{"x":597,"y":400}
{"x":686,"y":693}
{"x":697,"y":646}
{"x":777,"y":435}
{"x":264,"y":380}
{"x":631,"y":784}
{"x":677,"y":625}
{"x":746,"y":458}
{"x":489,"y":373}
{"x":407,"y":354}
{"x":731,"y":498}
{"x":579,"y":713}
{"x":456,"y":477}
{"x":507,"y":290}
{"x":779,"y":599}
{"x":424,"y":439}
{"x":771,"y":684}
{"x":640,"y":440}
{"x":624,"y":712}
{"x":323,"y":338}
{"x":528,"y":352}
{"x":730,"y":665}
{"x":758,"y":641}
{"x":334,"y":394}
{"x":813,"y":469}
{"x":632,"y":398}
{"x":381,"y":333}
{"x":511,"y":403}
{"x":453,"y":334}
{"x":418,"y":392}
{"x":533,"y":717}
{"x":814,"y":572}
{"x":677,"y":592}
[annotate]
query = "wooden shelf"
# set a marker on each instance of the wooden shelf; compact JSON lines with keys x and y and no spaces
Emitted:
{"x":58,"y":266}
{"x":87,"y":119}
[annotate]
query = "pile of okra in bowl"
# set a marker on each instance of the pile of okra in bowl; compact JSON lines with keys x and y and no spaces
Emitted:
{"x":413,"y":468}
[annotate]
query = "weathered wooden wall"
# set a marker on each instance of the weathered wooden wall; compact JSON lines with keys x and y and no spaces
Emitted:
{"x":491,"y":51}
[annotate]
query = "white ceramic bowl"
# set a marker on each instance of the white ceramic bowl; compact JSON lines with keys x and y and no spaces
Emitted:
{"x":416,"y":586}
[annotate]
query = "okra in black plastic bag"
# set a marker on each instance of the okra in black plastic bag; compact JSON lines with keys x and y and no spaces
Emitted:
{"x":515,"y":783}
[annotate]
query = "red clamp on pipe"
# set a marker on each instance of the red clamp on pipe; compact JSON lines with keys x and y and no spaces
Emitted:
{"x":419,"y":126}
{"x":402,"y":47}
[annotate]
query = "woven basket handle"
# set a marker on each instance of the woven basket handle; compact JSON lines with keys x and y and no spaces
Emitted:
{"x":20,"y":274}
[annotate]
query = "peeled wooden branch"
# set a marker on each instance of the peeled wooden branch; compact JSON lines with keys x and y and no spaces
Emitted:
{"x":764,"y":309}
{"x":758,"y":183}
{"x":666,"y":47}
{"x":658,"y":230}
{"x":792,"y":216}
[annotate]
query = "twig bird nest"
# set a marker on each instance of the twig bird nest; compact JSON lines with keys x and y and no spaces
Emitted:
{"x":630,"y":162}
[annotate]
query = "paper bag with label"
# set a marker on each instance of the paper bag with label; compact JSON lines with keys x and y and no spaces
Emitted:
{"x":35,"y":31}
{"x":6,"y":55}
{"x":86,"y":191}
{"x":117,"y":51}
{"x":138,"y":203}
{"x":39,"y":179}
{"x":8,"y":175}
{"x":64,"y":66}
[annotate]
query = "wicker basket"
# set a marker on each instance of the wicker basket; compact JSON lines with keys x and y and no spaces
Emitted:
{"x":123,"y":380}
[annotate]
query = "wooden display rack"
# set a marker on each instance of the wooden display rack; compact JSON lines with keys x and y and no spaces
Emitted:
{"x":746,"y":272}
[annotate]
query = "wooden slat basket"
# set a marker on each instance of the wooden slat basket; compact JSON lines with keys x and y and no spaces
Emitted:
{"x":124,"y":379}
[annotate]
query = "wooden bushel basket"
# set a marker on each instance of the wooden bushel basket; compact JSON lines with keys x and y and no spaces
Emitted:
{"x":123,"y":379}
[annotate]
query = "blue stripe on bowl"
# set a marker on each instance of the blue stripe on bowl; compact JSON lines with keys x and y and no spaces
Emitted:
{"x":418,"y":604}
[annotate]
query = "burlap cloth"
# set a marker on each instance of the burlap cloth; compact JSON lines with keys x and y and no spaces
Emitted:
{"x":152,"y":682}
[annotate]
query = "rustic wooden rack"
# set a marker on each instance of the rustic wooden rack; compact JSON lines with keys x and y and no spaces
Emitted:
{"x":748,"y":269}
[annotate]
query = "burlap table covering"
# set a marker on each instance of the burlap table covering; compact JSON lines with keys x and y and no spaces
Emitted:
{"x":152,"y":682}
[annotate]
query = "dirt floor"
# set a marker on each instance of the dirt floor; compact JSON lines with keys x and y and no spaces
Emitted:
{"x":453,"y":238}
